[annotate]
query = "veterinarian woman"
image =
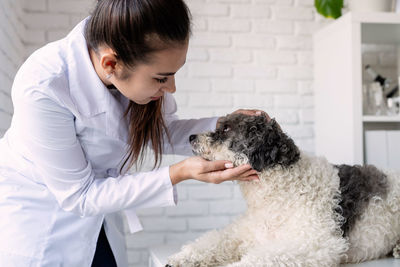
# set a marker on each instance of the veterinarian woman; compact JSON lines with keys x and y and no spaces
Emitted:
{"x":64,"y":160}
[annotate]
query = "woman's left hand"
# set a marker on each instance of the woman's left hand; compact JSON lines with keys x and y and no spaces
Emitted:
{"x":252,"y":112}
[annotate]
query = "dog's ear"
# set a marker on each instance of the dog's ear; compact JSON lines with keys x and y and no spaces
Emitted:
{"x":276,"y":148}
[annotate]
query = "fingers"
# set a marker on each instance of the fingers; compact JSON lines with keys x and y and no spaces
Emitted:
{"x":250,"y":178}
{"x":262,"y":113}
{"x":219,"y":171}
{"x":265,"y":114}
{"x":242,"y":171}
{"x":217,"y":165}
{"x":250,"y":112}
{"x":250,"y":175}
{"x":237,"y":172}
{"x":253,"y":112}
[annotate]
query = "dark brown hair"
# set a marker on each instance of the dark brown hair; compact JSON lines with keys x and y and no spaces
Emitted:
{"x":133,"y":29}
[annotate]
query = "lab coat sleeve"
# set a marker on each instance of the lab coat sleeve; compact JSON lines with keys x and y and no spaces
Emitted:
{"x":47,"y":131}
{"x":180,"y":130}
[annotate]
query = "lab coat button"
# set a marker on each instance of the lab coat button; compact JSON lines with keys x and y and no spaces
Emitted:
{"x":112,"y":172}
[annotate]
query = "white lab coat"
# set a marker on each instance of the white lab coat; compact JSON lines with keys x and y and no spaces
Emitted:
{"x":60,"y":160}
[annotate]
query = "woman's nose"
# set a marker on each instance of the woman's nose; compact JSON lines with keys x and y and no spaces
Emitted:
{"x":170,"y":87}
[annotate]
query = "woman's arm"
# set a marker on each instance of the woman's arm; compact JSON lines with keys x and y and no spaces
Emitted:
{"x":46,"y":130}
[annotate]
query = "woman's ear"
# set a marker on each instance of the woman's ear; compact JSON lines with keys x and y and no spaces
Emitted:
{"x":108,"y":60}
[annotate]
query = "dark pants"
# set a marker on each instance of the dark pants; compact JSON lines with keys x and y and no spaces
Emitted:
{"x":103,"y":257}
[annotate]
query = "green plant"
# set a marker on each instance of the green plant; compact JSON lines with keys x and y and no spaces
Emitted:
{"x":329,"y":8}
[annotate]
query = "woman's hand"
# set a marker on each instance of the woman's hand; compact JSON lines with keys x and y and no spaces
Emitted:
{"x":210,"y":171}
{"x":252,"y":112}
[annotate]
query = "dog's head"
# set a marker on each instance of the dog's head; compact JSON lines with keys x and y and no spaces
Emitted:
{"x":247,"y":139}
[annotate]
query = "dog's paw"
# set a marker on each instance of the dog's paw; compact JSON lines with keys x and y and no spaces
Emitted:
{"x":175,"y":261}
{"x":396,"y":250}
{"x":175,"y":264}
{"x":181,"y":261}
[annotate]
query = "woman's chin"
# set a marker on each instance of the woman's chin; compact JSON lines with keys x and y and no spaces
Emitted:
{"x":145,"y":101}
{"x":141,"y":101}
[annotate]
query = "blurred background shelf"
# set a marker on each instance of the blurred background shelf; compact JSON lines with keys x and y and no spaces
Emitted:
{"x":394,"y":119}
{"x":340,"y":126}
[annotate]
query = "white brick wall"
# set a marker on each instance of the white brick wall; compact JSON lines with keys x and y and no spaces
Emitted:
{"x":12,"y":50}
{"x":243,"y":54}
{"x":50,"y":20}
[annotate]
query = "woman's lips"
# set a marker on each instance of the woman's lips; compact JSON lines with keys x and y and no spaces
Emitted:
{"x":155,"y":97}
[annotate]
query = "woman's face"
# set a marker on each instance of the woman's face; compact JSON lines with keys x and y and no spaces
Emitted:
{"x":147,"y":81}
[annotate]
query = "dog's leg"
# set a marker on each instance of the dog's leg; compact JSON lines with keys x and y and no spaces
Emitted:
{"x":286,"y":253}
{"x":215,"y":248}
{"x":258,"y":259}
{"x":374,"y":235}
{"x":396,"y":250}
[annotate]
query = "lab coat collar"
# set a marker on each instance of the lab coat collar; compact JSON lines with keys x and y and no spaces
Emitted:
{"x":87,"y":90}
{"x":90,"y":96}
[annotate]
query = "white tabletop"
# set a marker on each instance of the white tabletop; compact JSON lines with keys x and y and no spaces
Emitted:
{"x":159,"y":255}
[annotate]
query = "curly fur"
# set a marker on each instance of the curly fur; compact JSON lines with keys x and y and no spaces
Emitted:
{"x":303,"y":212}
{"x":358,"y":184}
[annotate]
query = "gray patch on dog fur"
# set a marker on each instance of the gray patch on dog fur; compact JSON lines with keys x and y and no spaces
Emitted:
{"x":358,"y":184}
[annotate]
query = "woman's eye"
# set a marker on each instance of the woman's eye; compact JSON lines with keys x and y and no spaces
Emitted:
{"x":163,"y":80}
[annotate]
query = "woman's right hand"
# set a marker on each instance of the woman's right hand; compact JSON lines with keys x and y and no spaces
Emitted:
{"x":210,"y":171}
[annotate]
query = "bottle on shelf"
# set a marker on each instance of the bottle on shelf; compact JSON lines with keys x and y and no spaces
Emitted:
{"x":374,"y":102}
{"x":384,"y":82}
{"x":392,"y":93}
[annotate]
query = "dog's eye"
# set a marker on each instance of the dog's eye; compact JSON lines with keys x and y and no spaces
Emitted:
{"x":226,"y":128}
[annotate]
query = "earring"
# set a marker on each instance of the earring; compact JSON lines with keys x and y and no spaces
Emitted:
{"x":108,"y":76}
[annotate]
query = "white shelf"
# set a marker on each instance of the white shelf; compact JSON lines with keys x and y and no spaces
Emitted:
{"x":374,"y":17}
{"x":376,"y":27}
{"x":338,"y":83}
{"x":379,"y":33}
{"x":381,"y":118}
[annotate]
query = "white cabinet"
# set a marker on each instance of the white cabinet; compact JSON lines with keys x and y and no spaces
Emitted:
{"x":340,"y":126}
{"x":382,"y":148}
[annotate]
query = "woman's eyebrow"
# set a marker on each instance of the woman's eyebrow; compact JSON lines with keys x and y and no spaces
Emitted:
{"x":169,"y":73}
{"x":166,"y":73}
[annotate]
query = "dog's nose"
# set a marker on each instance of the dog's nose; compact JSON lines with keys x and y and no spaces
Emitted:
{"x":192,"y":137}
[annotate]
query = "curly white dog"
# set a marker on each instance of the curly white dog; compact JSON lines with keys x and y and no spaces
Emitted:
{"x":304,"y":211}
